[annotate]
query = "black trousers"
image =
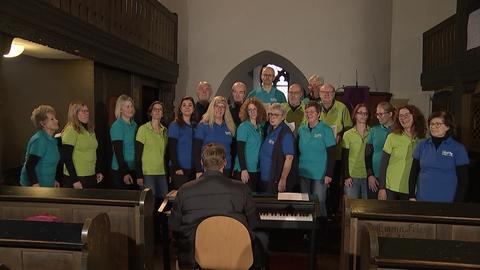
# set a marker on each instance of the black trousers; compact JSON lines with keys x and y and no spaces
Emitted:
{"x":179,"y":180}
{"x":87,"y":181}
{"x":252,"y":182}
{"x":117,"y":181}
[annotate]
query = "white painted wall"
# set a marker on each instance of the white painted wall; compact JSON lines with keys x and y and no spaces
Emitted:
{"x":381,"y":38}
{"x":409,"y":20}
{"x":328,"y":37}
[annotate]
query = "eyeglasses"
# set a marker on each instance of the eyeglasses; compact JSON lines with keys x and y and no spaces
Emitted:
{"x":382,"y":114}
{"x":436,"y":124}
{"x":274,"y":114}
{"x":403,"y":116}
{"x":327,"y":92}
{"x":362,"y":113}
{"x":310,"y":111}
{"x":252,"y":110}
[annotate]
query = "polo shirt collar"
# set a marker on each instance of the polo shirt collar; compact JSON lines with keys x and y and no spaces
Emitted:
{"x":150,"y":126}
{"x":43,"y":133}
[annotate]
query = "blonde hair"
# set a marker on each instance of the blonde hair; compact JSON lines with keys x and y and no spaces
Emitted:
{"x":39,"y":115}
{"x":316,"y":78}
{"x":118,"y":105}
{"x":72,"y":117}
{"x":209,"y":116}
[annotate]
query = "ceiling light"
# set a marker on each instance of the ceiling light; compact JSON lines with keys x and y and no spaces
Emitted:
{"x":15,"y":50}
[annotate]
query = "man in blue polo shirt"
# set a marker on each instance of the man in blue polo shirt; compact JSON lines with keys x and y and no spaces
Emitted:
{"x":268,"y":93}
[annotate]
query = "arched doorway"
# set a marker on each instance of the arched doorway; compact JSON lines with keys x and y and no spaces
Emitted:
{"x":245,"y":71}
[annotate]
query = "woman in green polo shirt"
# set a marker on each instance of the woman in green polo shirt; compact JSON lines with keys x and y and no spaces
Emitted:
{"x":151,"y":142}
{"x":79,"y":149}
{"x":42,"y":156}
{"x":397,"y":157}
{"x":353,"y":153}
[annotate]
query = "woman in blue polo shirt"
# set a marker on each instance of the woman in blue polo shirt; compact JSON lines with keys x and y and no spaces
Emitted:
{"x":316,"y":147}
{"x":122,"y":136}
{"x":440,"y":164}
{"x":180,"y":143}
{"x":42,"y":153}
{"x":217,"y":126}
{"x":277,"y":154}
{"x":249,"y":138}
{"x":374,"y":148}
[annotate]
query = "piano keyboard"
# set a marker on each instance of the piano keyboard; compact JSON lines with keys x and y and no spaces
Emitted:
{"x":286,"y":216}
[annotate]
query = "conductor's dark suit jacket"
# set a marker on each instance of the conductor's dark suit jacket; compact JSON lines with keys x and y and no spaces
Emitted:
{"x":213,"y":194}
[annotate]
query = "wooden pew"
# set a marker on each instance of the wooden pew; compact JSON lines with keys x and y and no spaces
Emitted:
{"x":405,"y":219}
{"x":29,"y":245}
{"x":407,"y":253}
{"x":130,"y":214}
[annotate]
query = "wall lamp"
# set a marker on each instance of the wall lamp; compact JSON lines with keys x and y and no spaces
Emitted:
{"x":15,"y":50}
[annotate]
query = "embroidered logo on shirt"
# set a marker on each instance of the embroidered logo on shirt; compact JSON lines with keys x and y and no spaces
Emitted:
{"x":273,"y":100}
{"x":317,"y":135}
{"x":447,"y":153}
{"x":228,"y":133}
{"x":271,"y":141}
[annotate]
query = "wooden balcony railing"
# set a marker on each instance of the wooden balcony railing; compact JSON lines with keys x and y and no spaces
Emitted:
{"x":439,"y":46}
{"x":145,"y":23}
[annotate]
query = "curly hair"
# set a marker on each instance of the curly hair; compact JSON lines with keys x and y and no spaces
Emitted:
{"x":39,"y":115}
{"x":419,"y":126}
{"x":261,"y":112}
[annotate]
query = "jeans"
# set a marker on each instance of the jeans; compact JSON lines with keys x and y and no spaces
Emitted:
{"x":158,"y":185}
{"x":318,"y":188}
{"x":358,"y":190}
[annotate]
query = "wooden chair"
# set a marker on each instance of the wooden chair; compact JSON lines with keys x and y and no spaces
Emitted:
{"x":223,"y":243}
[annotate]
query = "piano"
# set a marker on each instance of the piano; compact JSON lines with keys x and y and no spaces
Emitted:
{"x":274,"y":214}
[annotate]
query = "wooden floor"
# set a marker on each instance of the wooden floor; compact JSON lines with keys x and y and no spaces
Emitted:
{"x":288,"y":249}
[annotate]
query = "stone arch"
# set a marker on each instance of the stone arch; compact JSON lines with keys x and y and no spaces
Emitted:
{"x":244,"y":72}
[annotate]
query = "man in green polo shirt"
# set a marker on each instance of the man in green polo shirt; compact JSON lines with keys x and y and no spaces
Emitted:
{"x":295,"y":113}
{"x":336,"y":115}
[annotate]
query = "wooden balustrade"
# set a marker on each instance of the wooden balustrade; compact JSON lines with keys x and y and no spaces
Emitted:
{"x":145,"y":23}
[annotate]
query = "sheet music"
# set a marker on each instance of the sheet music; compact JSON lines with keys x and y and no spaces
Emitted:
{"x":292,"y":196}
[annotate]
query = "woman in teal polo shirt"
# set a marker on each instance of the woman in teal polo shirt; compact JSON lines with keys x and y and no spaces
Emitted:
{"x":122,"y":136}
{"x":440,"y":164}
{"x":150,"y":152}
{"x":249,"y":139}
{"x":79,"y":149}
{"x":42,"y":156}
{"x":375,"y":141}
{"x":397,"y":157}
{"x":316,"y":147}
{"x":353,"y":153}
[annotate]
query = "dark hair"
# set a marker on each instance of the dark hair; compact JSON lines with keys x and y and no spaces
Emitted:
{"x":448,"y":120}
{"x":150,"y":108}
{"x":179,"y":117}
{"x":314,"y":104}
{"x":419,"y":128}
{"x":261,"y":112}
{"x":355,"y":111}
